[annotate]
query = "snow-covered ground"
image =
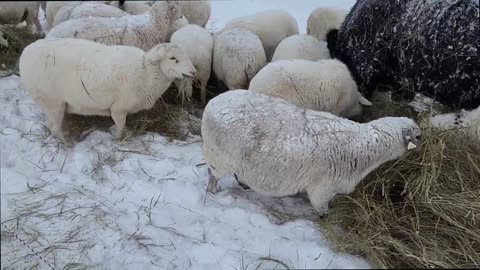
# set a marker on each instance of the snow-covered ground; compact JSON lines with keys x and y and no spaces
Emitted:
{"x":141,"y":204}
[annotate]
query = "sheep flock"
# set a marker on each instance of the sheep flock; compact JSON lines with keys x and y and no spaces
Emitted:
{"x":286,"y":112}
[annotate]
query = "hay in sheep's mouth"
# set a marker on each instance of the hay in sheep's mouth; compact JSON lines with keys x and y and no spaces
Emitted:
{"x":420,"y":211}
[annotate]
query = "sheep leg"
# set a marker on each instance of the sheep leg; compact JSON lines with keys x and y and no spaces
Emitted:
{"x":320,"y":195}
{"x":55,"y":116}
{"x":37,"y":24}
{"x":212,"y":182}
{"x":29,"y":22}
{"x":203,"y":92}
{"x":120,"y":118}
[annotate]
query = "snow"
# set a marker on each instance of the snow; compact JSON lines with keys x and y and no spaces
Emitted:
{"x":141,"y":203}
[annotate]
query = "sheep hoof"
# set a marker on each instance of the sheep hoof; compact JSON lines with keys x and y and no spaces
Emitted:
{"x":212,"y":183}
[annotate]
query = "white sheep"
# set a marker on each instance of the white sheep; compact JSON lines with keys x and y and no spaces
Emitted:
{"x":87,"y":9}
{"x":238,"y":55}
{"x":323,"y":19}
{"x":301,"y":47}
{"x":197,"y":12}
{"x":175,"y":27}
{"x":467,"y":121}
{"x":85,"y":77}
{"x":142,"y":31}
{"x":54,"y":6}
{"x":279,"y":149}
{"x":325,"y":85}
{"x":3,"y":41}
{"x":197,"y":43}
{"x":271,"y":26}
{"x":17,"y":12}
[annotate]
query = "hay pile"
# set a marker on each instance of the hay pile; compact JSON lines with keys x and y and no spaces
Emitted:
{"x":18,"y":38}
{"x":421,"y":211}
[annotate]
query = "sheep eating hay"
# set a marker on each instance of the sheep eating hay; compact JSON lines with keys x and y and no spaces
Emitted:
{"x":142,"y":31}
{"x":279,"y":149}
{"x":326,"y":85}
{"x":424,"y":46}
{"x":197,"y":43}
{"x":84,"y":77}
{"x":467,"y":121}
{"x":238,"y":55}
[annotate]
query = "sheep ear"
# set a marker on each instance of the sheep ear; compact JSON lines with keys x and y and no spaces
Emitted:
{"x":362,"y":100}
{"x":157,"y":54}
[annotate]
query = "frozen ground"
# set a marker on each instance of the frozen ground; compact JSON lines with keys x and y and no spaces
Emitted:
{"x":141,"y":204}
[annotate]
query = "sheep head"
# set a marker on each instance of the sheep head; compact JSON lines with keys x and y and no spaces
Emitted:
{"x":171,"y":60}
{"x":412,"y":135}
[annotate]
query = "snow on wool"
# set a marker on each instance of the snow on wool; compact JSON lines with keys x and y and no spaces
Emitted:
{"x":440,"y":60}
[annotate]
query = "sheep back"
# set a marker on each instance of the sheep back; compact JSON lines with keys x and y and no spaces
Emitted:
{"x":326,"y":85}
{"x":143,"y":31}
{"x":301,"y":47}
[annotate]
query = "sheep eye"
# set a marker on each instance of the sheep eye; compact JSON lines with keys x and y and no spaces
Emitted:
{"x":173,"y":58}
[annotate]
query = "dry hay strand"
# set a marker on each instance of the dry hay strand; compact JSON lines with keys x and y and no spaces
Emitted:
{"x":18,"y":39}
{"x":421,"y":211}
{"x":169,"y":117}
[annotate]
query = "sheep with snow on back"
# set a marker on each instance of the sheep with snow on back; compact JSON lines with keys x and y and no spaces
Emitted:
{"x":301,"y":47}
{"x":197,"y":12}
{"x":413,"y":46}
{"x":271,"y":26}
{"x":142,"y":31}
{"x":466,"y":121}
{"x":197,"y":43}
{"x":17,"y":12}
{"x":70,"y":12}
{"x":279,"y":149}
{"x":323,"y":19}
{"x":88,"y":78}
{"x":325,"y":85}
{"x":238,"y":55}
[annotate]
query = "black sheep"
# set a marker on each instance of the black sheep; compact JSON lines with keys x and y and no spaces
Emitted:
{"x":413,"y":46}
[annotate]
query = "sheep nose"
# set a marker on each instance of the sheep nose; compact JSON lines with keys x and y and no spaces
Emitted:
{"x":193,"y":73}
